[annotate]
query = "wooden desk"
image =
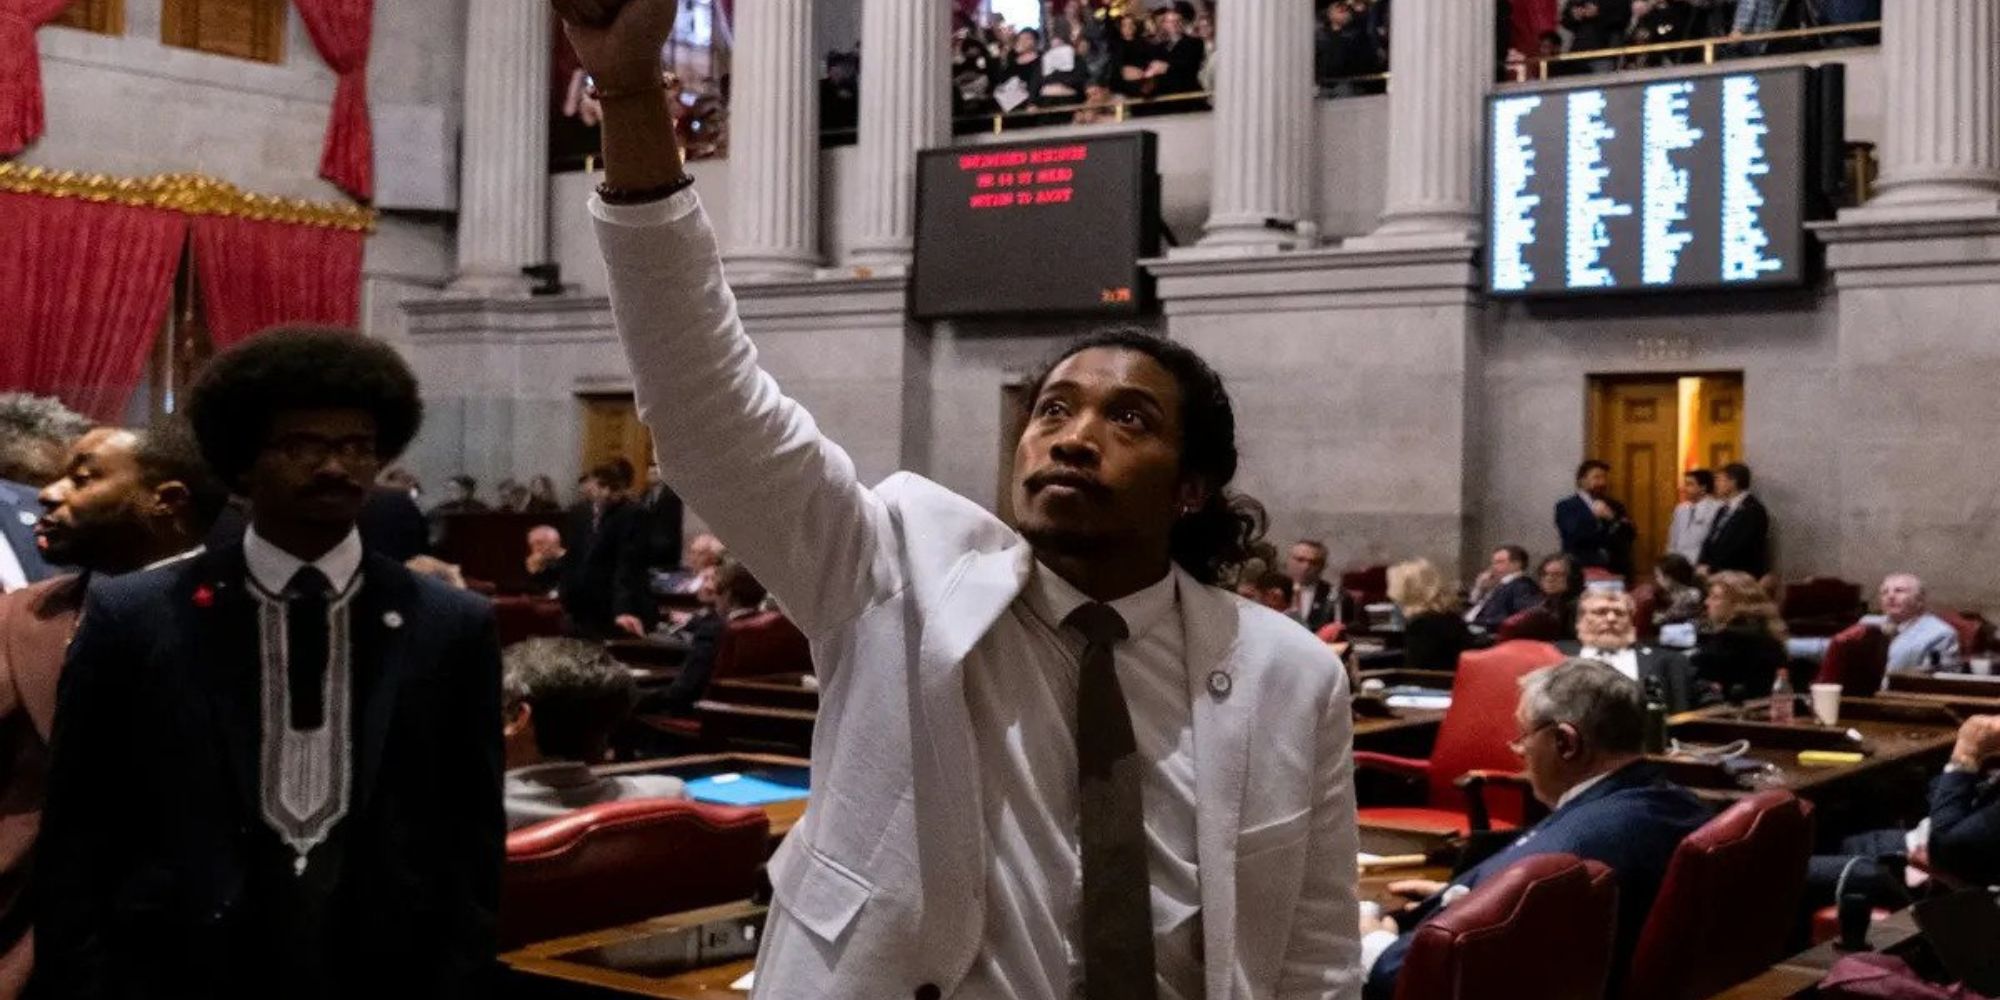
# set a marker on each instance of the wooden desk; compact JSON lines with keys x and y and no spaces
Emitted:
{"x":782,"y":815}
{"x":773,"y":691}
{"x":1440,"y":680}
{"x":758,"y":727}
{"x":1798,"y":975}
{"x":1955,"y":685}
{"x":610,"y":962}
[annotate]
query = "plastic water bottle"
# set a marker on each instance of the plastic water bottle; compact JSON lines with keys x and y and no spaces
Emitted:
{"x":1782,"y":707}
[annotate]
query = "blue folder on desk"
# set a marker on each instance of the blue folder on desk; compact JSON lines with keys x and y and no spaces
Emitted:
{"x":741,"y":790}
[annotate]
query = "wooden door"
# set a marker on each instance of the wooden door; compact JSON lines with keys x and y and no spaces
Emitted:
{"x":1717,"y":424}
{"x":1635,"y":426}
{"x":611,"y":430}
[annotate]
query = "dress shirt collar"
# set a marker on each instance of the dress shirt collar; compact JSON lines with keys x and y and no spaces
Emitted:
{"x":1736,"y":502}
{"x":1586,"y":497}
{"x":1052,"y":599}
{"x":1509,"y":578}
{"x":1581,"y":787}
{"x":273,"y":568}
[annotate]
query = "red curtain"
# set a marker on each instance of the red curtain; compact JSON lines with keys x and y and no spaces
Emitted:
{"x":84,"y":289}
{"x":21,"y":71}
{"x":257,"y":274}
{"x":340,"y":30}
{"x":1532,"y":18}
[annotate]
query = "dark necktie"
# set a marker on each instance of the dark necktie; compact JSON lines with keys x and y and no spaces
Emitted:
{"x":306,"y":646}
{"x":1117,"y":892}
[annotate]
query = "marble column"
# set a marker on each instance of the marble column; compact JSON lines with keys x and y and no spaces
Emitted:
{"x":1941,"y":150}
{"x":1440,"y":66}
{"x":503,"y":200}
{"x":773,"y":220}
{"x":1264,"y":124}
{"x":905,"y":107}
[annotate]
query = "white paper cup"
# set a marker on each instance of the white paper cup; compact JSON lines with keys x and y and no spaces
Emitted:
{"x":1826,"y":703}
{"x":1981,"y":665}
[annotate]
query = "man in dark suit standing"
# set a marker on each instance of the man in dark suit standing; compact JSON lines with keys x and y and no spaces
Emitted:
{"x":1315,"y":600}
{"x":1594,"y":528}
{"x":663,"y":521}
{"x":1581,"y":730}
{"x":1741,"y":537}
{"x":607,"y":586}
{"x":275,"y":766}
{"x":1606,"y":633}
{"x":129,"y":500}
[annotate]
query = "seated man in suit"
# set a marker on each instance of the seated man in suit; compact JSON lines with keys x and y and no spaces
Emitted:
{"x":1959,"y":841}
{"x":1595,"y":529}
{"x":1316,"y":600}
{"x":1919,"y":641}
{"x":1581,"y":725}
{"x":275,"y":770}
{"x":1605,"y":632}
{"x":562,"y":700}
{"x":607,"y":589}
{"x":545,"y":560}
{"x":1740,"y":538}
{"x":35,"y":437}
{"x":1503,"y":591}
{"x":730,"y":593}
{"x":130,"y":500}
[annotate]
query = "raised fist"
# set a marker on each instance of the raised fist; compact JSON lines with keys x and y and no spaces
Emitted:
{"x":619,"y":41}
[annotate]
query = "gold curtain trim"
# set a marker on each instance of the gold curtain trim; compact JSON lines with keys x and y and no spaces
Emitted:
{"x":191,"y":194}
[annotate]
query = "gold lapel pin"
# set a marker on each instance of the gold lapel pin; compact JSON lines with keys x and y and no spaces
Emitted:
{"x":1218,"y":684}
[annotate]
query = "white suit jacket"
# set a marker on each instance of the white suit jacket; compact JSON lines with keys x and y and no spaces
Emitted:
{"x":880,"y":889}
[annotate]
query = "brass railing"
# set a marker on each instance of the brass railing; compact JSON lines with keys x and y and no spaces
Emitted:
{"x":1707,"y":46}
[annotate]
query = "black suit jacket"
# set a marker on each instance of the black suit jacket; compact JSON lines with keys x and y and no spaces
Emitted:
{"x":1329,"y":604}
{"x":1592,"y":541}
{"x":157,"y":875}
{"x":663,"y":526}
{"x":1507,"y":600}
{"x":1669,"y":670}
{"x":1965,"y":827}
{"x":1740,"y":540}
{"x":1631,"y":822}
{"x":605,"y":573}
{"x":20,"y":508}
{"x":1433,"y":642}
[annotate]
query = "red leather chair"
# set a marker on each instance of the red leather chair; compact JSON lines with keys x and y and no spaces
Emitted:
{"x":759,"y":644}
{"x":1820,"y":605}
{"x":1536,"y":624}
{"x":1729,"y":902}
{"x":519,"y":618}
{"x":1368,"y":585}
{"x":621,"y":862}
{"x":1473,"y":737}
{"x":1645,"y":601}
{"x":1542,"y":928}
{"x":1968,"y":630}
{"x":1856,"y":660}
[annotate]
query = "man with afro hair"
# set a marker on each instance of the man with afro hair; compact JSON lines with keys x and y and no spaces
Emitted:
{"x":275,"y":766}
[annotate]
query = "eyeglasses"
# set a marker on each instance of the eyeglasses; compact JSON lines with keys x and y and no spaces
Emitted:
{"x":1521,"y":743}
{"x":315,"y":449}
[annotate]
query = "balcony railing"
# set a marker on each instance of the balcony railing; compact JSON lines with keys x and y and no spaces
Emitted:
{"x":1710,"y":48}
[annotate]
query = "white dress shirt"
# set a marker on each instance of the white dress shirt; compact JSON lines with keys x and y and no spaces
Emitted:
{"x":1625,"y":661}
{"x":304,"y":775}
{"x":1691,"y":524}
{"x":12,"y":576}
{"x":1021,"y":687}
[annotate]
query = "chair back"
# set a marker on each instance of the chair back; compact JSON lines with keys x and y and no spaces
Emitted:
{"x":519,"y":618}
{"x":1820,"y":605}
{"x":1475,"y":731}
{"x":1369,"y":584}
{"x":620,"y":862}
{"x":1968,"y":630}
{"x":1549,"y":920}
{"x":1645,"y":601}
{"x":1729,"y":902}
{"x":1537,"y":624}
{"x":760,"y":644}
{"x":1856,"y":660}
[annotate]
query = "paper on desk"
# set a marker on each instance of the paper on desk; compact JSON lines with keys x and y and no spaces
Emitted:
{"x":743,"y":985}
{"x":1422,"y":702}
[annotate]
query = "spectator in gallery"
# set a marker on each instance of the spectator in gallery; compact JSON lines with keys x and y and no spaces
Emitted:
{"x":1597,"y":24}
{"x":1694,"y":516}
{"x":545,"y":560}
{"x":1100,"y":106}
{"x":1434,"y":633}
{"x":1023,"y":65}
{"x":1594,"y":527}
{"x":464,"y":498}
{"x":542,"y":498}
{"x":1661,"y":22}
{"x":1131,"y":55}
{"x":971,"y":75}
{"x":1342,"y":50}
{"x":1741,"y":645}
{"x":1679,"y":588}
{"x":1740,"y":539}
{"x":561,"y":700}
{"x":1504,"y":590}
{"x":1063,"y":77}
{"x":1176,"y":68}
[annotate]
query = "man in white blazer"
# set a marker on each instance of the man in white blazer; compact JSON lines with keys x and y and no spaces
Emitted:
{"x":1052,"y":763}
